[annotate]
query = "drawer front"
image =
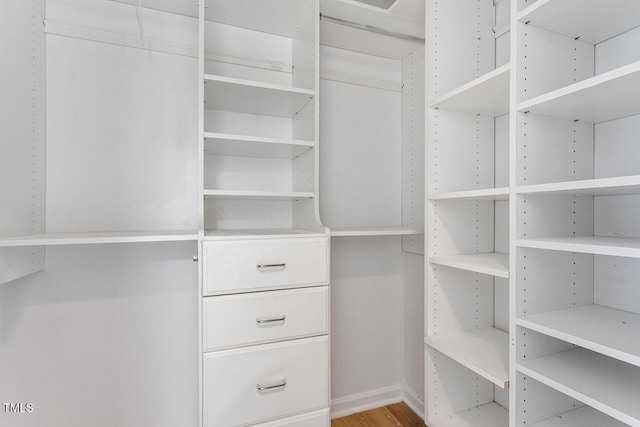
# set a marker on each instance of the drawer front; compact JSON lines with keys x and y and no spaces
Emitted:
{"x":312,"y":419}
{"x":253,"y":265}
{"x":256,"y":318}
{"x":232,"y":379}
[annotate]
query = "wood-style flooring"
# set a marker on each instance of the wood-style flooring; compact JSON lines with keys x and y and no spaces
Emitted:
{"x":396,"y":415}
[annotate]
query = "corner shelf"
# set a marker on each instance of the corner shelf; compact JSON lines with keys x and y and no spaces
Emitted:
{"x":222,"y":144}
{"x":272,"y":233}
{"x":373,"y":231}
{"x":91,"y":238}
{"x":252,"y":97}
{"x":581,"y":417}
{"x":593,"y":21}
{"x":484,"y":194}
{"x":601,"y":329}
{"x":485,"y":351}
{"x":607,"y":96}
{"x":614,"y":246}
{"x":486,"y":95}
{"x":605,"y":384}
{"x":493,"y":264}
{"x":256,"y":195}
{"x":489,"y":415}
{"x":594,"y":187}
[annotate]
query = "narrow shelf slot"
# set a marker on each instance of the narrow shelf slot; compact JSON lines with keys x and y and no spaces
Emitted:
{"x":221,"y":144}
{"x":487,"y":95}
{"x":605,"y":384}
{"x":489,"y":415}
{"x":604,"y":330}
{"x":257,"y":195}
{"x":594,"y":21}
{"x":251,"y":97}
{"x":373,"y":231}
{"x":483,"y":194}
{"x":56,"y":239}
{"x":240,"y":234}
{"x":485,"y":351}
{"x":594,"y":187}
{"x":607,"y":96}
{"x":614,"y":246}
{"x":493,"y":264}
{"x":585,"y":416}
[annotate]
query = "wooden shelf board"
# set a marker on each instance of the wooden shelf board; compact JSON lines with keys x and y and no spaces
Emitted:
{"x":483,"y":194}
{"x":584,"y":416}
{"x":594,"y":21}
{"x":257,"y":195}
{"x":493,"y":264}
{"x":486,"y":95}
{"x":613,"y":246}
{"x":489,"y":415}
{"x":594,"y":187}
{"x":221,"y":144}
{"x":485,"y":351}
{"x":606,"y":384}
{"x":607,"y":96}
{"x":53,"y":239}
{"x":604,"y":330}
{"x":251,"y":97}
{"x":373,"y":231}
{"x":274,"y":233}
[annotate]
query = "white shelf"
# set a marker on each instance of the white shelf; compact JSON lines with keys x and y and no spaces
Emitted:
{"x":484,"y":351}
{"x":222,"y":144}
{"x":486,"y":95}
{"x":251,"y":97}
{"x":484,"y":194}
{"x":489,"y":415}
{"x":257,"y":195}
{"x":259,"y":233}
{"x":606,"y":384}
{"x":373,"y":231}
{"x":493,"y":264}
{"x":611,"y":95}
{"x":53,"y":239}
{"x":593,"y":21}
{"x":604,"y":330}
{"x":614,"y":246}
{"x":584,"y":416}
{"x":595,"y":187}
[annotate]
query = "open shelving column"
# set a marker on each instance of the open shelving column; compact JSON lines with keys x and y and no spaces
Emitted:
{"x":576,"y":249}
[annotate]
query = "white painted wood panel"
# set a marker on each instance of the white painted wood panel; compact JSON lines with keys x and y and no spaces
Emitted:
{"x":494,"y":264}
{"x":581,"y":417}
{"x":487,"y":415}
{"x":218,"y":144}
{"x":614,"y":246}
{"x":50,"y":239}
{"x":312,"y":419}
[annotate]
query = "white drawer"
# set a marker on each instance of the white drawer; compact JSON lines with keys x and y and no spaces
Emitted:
{"x":311,"y":419}
{"x":253,"y":265}
{"x":232,"y":378}
{"x":256,"y":318}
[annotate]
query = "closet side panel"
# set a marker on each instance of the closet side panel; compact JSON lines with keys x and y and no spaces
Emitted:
{"x":22,"y":133}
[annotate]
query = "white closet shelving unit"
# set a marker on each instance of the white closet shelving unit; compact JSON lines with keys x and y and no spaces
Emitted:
{"x":467,"y":317}
{"x":576,"y":302}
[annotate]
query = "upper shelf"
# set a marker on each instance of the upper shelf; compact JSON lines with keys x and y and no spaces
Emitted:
{"x":594,"y":21}
{"x":373,"y":231}
{"x":607,"y":96}
{"x":501,"y":193}
{"x":581,"y":417}
{"x":594,"y":187}
{"x":494,"y":264}
{"x":257,"y":195}
{"x":54,"y":239}
{"x":597,"y":245}
{"x":251,"y":97}
{"x":486,"y":95}
{"x":271,"y":233}
{"x":220,"y":144}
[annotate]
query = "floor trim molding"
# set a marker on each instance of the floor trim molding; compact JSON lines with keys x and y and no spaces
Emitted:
{"x":348,"y":405}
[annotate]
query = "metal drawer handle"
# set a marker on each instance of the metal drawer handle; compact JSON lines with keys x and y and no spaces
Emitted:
{"x":275,"y":319}
{"x":282,"y":384}
{"x":263,"y":266}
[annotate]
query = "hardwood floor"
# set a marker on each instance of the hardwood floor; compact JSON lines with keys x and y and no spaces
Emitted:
{"x":396,"y":415}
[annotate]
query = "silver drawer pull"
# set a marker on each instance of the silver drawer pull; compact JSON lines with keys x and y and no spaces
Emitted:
{"x":275,"y":319}
{"x":282,"y":384}
{"x":263,"y":266}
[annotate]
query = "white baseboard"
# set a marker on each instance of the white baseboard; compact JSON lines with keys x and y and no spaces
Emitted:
{"x":348,"y":405}
{"x":413,"y":401}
